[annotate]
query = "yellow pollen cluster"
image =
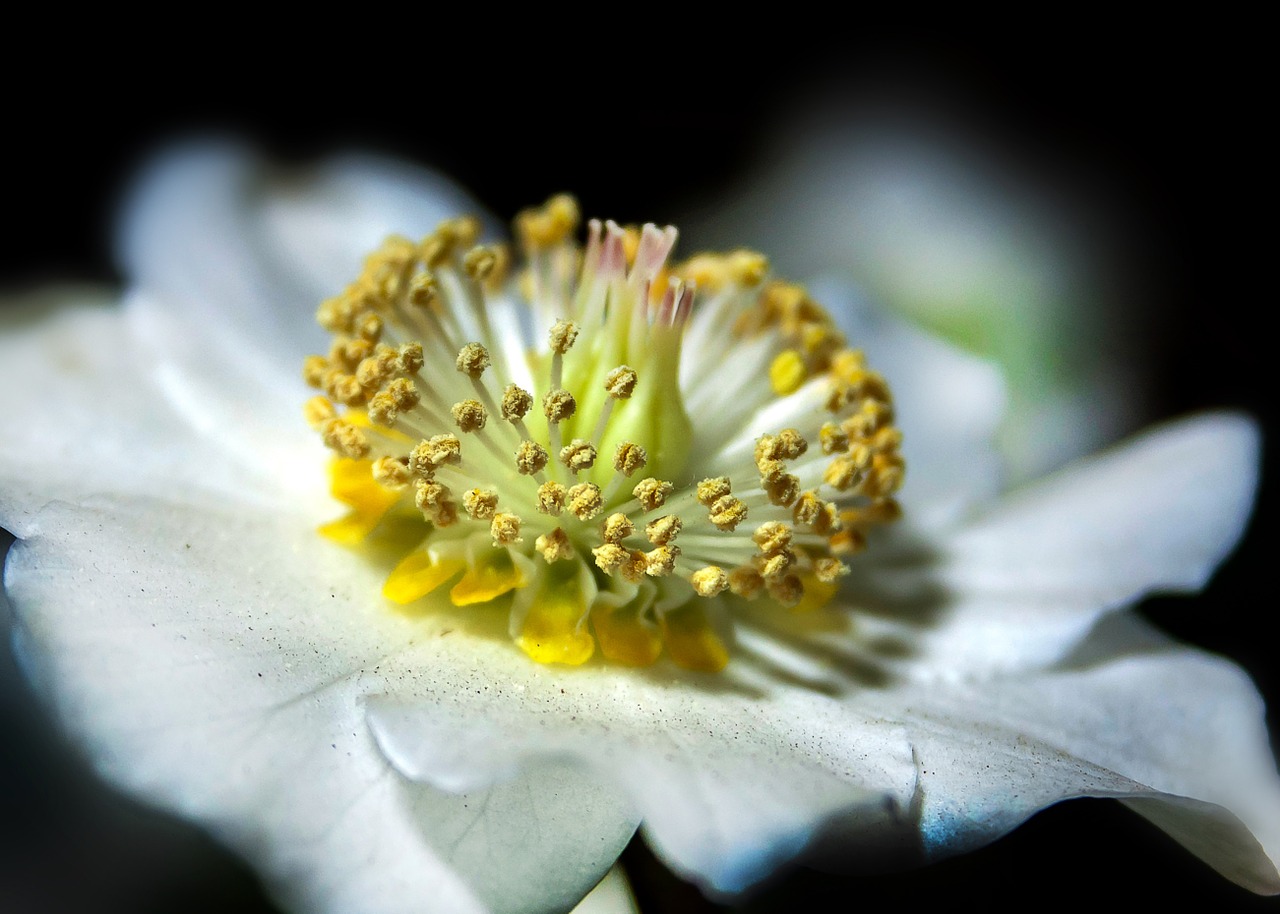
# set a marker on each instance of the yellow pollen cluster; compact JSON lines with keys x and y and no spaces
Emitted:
{"x":638,"y":553}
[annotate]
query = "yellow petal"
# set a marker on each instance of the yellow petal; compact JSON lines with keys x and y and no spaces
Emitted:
{"x":554,"y":628}
{"x":351,"y":482}
{"x":490,"y":574}
{"x":418,"y":575}
{"x":816,"y":594}
{"x":690,"y":639}
{"x":623,"y":636}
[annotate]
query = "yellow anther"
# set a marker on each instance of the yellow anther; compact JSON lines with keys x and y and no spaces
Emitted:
{"x":829,"y":570}
{"x":554,"y":546}
{"x":505,"y":530}
{"x":578,"y":455}
{"x":343,"y":437}
{"x":773,"y":537}
{"x":558,"y":405}
{"x":404,"y":393}
{"x":530,"y":458}
{"x":550,"y":224}
{"x":585,"y":500}
{"x":430,"y":494}
{"x":773,"y":567}
{"x":727,"y":512}
{"x":849,"y":366}
{"x":708,"y":270}
{"x":749,"y":268}
{"x":746,"y":582}
{"x":350,"y":352}
{"x":808,"y":508}
{"x":783,"y":490}
{"x":318,"y":411}
{"x":480,"y":504}
{"x":433,"y":453}
{"x":770,"y":469}
{"x":382,"y":410}
{"x":787,"y":590}
{"x":712,"y":490}
{"x":635,"y":567}
{"x":787,"y":372}
{"x":314,"y":369}
{"x":436,"y":249}
{"x":423,"y":291}
{"x":516,"y":403}
{"x":392,"y":472}
{"x":833,"y":438}
{"x":828,"y":520}
{"x":436,"y":503}
{"x":842,"y":474}
{"x":473,"y":359}
{"x":369,"y":327}
{"x":847,"y":541}
{"x":887,"y":439}
{"x":611,"y":557}
{"x":334,"y":315}
{"x":628,"y":458}
{"x":479,"y":262}
{"x":790,"y":444}
{"x":411,"y":358}
{"x":660,"y":562}
{"x":551,"y":498}
{"x":617,"y":527}
{"x":374,"y":371}
{"x":469,"y":415}
{"x":709,"y":581}
{"x":621,"y":382}
{"x":562,"y":336}
{"x":652,"y":493}
{"x":663,"y":530}
{"x":347,"y":390}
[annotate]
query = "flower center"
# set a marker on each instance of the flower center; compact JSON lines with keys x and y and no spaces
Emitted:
{"x":588,"y":448}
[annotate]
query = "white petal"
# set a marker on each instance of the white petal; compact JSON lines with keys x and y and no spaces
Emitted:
{"x":85,"y":414}
{"x":233,"y":248}
{"x":731,"y":781}
{"x":215,"y":662}
{"x":227,"y":262}
{"x":1177,"y":733}
{"x":948,"y":405}
{"x":1023,"y":583}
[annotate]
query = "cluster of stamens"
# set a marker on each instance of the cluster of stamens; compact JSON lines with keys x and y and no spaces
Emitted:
{"x":587,"y":442}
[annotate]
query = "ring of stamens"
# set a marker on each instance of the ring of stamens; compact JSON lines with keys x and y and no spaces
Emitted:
{"x":579,"y":447}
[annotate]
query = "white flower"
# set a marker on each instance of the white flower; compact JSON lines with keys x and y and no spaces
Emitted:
{"x":218,"y":657}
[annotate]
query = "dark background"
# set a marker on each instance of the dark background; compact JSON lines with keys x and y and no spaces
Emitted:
{"x":1170,"y":127}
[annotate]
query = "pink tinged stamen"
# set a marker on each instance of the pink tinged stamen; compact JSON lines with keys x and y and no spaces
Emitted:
{"x":677,"y":301}
{"x":685,"y":304}
{"x":655,"y":247}
{"x":591,"y":259}
{"x":613,"y":259}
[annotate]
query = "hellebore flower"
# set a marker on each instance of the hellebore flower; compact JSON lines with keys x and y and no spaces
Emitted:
{"x":475,"y":713}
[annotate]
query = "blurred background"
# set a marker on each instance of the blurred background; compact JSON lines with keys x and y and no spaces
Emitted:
{"x":1084,"y":210}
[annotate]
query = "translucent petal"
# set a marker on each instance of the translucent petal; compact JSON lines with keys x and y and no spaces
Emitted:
{"x":732,"y":777}
{"x":216,"y":662}
{"x":1022,"y":583}
{"x":1177,"y":733}
{"x":84,"y":414}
